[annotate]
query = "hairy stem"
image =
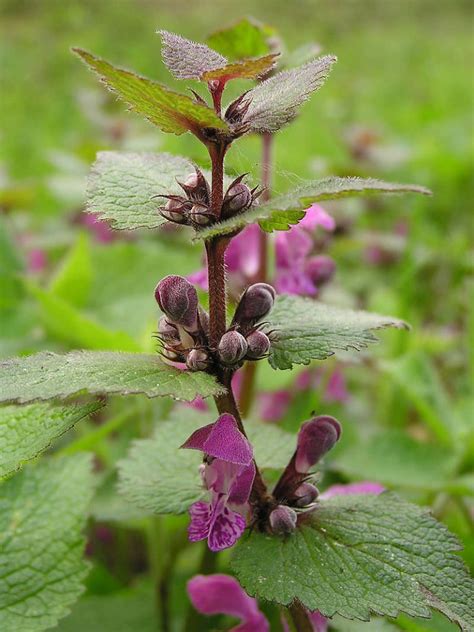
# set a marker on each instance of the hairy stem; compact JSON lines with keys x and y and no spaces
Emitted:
{"x":250,"y":369}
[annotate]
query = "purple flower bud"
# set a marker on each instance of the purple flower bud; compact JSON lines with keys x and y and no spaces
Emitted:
{"x":258,"y":345}
{"x":174,"y":211}
{"x":283,"y":520}
{"x":200,"y":215}
{"x":237,"y":198}
{"x":255,"y":303}
{"x":305,"y":494}
{"x":178,"y":299}
{"x":315,"y":438}
{"x":168,"y":332}
{"x":196,"y":187}
{"x":232,"y":348}
{"x":197,"y":360}
{"x":320,"y":269}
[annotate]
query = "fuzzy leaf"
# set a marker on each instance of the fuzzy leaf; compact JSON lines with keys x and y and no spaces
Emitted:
{"x":359,"y":555}
{"x":307,"y":330}
{"x":26,"y":431}
{"x":42,"y":514}
{"x":47,"y":375}
{"x":246,"y":69}
{"x":246,"y":38}
{"x":288,"y":208}
{"x":170,"y":111}
{"x":148,"y":476}
{"x":186,"y":59}
{"x":275,"y":102}
{"x":121,"y":186}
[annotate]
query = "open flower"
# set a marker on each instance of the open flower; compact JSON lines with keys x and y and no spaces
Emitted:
{"x":228,"y":473}
{"x":222,"y":594}
{"x":296,"y":271}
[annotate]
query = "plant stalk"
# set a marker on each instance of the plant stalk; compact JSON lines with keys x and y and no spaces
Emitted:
{"x":299,"y":618}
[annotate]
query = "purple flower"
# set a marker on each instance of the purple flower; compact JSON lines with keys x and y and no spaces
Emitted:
{"x":228,"y":474}
{"x":101,"y":229}
{"x":296,"y":271}
{"x":222,"y":594}
{"x":364,"y":487}
{"x":274,"y":405}
{"x":37,"y":260}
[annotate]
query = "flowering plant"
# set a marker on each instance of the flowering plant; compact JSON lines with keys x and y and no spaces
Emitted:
{"x":349,"y":551}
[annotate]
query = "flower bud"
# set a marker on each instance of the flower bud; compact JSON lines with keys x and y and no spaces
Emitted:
{"x":237,"y":198}
{"x":283,"y":520}
{"x":255,"y":303}
{"x":174,"y":211}
{"x":232,"y":348}
{"x":170,"y":354}
{"x":258,"y":345}
{"x":315,"y":438}
{"x":178,"y":299}
{"x":320,"y":269}
{"x":197,"y":360}
{"x":168,"y":332}
{"x":200,"y":215}
{"x":196,"y":187}
{"x":305,"y":494}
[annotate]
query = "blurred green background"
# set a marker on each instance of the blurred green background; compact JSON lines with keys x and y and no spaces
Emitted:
{"x":397,"y":106}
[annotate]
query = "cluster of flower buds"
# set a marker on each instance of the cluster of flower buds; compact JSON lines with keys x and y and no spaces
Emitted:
{"x":184,"y":328}
{"x":193,"y":208}
{"x":294,"y":492}
{"x":244,"y":340}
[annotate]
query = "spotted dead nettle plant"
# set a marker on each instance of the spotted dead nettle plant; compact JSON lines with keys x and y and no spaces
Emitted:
{"x":317,"y":555}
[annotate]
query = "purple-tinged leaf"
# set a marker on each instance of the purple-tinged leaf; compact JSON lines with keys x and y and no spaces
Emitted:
{"x":186,"y":59}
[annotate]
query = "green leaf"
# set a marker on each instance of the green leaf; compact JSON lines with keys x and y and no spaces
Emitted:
{"x":42,"y":513}
{"x":121,"y":187}
{"x":360,"y":555}
{"x":68,"y":324}
{"x":275,"y":101}
{"x":73,"y":280}
{"x":170,"y":111}
{"x":159,"y":477}
{"x":306,"y":330}
{"x":47,"y":375}
{"x":245,"y":69}
{"x":289,"y":208}
{"x":26,"y":431}
{"x":393,"y":458}
{"x":246,"y":38}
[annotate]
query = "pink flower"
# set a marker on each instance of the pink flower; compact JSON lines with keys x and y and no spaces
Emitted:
{"x":222,"y":594}
{"x":273,"y":405}
{"x":228,"y":475}
{"x":364,"y":487}
{"x":101,"y":230}
{"x":336,"y":389}
{"x":37,"y":260}
{"x":296,"y":271}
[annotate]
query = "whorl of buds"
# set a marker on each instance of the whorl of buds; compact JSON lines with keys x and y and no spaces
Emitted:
{"x":178,"y":299}
{"x":320,"y":269}
{"x":315,"y":438}
{"x":305,"y":494}
{"x":232,"y":348}
{"x":197,"y":360}
{"x":258,"y":345}
{"x":256,"y":302}
{"x":283,"y":520}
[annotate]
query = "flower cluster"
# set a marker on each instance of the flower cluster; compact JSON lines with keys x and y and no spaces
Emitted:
{"x":184,"y":329}
{"x":194,"y":207}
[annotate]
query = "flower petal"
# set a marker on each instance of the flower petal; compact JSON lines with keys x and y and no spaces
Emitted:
{"x":226,"y":442}
{"x":315,"y":438}
{"x":197,"y":440}
{"x":317,"y":216}
{"x":199,"y":526}
{"x":364,"y":487}
{"x":226,"y":526}
{"x":242,"y":485}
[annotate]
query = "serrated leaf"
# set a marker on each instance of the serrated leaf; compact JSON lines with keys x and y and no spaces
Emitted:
{"x":47,"y":375}
{"x":42,"y":514}
{"x":246,"y":38}
{"x":70,"y":325}
{"x":275,"y":101}
{"x":306,"y":330}
{"x":169,"y":110}
{"x":361,"y":555}
{"x":289,"y":208}
{"x":186,"y":59}
{"x":159,"y":477}
{"x":121,"y":186}
{"x":26,"y":431}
